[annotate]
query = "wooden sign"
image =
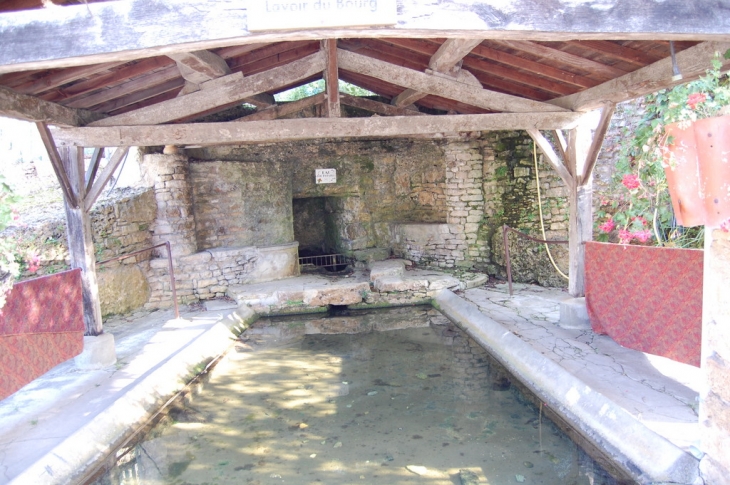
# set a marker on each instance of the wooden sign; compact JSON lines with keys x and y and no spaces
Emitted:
{"x":309,"y":14}
{"x":325,"y":175}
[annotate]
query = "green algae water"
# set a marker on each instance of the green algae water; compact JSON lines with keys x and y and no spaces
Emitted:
{"x":395,"y":396}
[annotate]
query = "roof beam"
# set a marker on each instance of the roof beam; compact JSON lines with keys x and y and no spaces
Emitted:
{"x":692,"y":62}
{"x":223,"y":91}
{"x":284,"y":109}
{"x":237,"y":132}
{"x":30,"y":108}
{"x":69,"y":36}
{"x":200,"y":66}
{"x":438,"y":84}
{"x":445,"y":59}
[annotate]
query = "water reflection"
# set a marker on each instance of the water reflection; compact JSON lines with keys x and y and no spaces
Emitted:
{"x":392,"y":397}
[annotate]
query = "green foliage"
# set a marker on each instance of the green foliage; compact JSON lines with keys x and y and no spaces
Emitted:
{"x":641,"y":211}
{"x":9,"y":266}
{"x":316,"y":87}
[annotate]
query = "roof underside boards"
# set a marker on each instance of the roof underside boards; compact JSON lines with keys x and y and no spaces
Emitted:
{"x":570,"y":64}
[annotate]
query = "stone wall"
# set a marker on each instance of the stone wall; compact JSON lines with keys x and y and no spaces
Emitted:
{"x":239,"y":204}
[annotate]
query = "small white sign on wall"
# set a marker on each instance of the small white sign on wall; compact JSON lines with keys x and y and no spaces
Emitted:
{"x":325,"y":175}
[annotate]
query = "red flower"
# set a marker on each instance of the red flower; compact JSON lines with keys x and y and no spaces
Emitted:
{"x":607,"y":226}
{"x":624,"y":236}
{"x":696,"y":98}
{"x":642,"y":236}
{"x":631,"y":181}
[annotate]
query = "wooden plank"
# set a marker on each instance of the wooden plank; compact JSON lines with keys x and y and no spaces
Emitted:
{"x":692,"y":62}
{"x":587,"y":65}
{"x":93,"y":167}
{"x":143,"y":68}
{"x":80,"y":244}
{"x":30,"y":108}
{"x":552,"y":157}
{"x":104,"y":177}
{"x":617,"y":51}
{"x":236,"y":89}
{"x":284,"y":109}
{"x":598,"y":136}
{"x":561,"y":143}
{"x":408,"y":97}
{"x":200,"y":66}
{"x":57,"y":78}
{"x":309,"y":128}
{"x":437,"y":85}
{"x":140,"y":95}
{"x":69,"y":195}
{"x":532,"y":66}
{"x":377,"y":107}
{"x":331,"y":79}
{"x":107,"y":94}
{"x":261,"y":101}
{"x":69,"y":36}
{"x":533,"y":80}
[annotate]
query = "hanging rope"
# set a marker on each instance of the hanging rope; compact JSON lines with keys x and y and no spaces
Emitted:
{"x":539,"y":206}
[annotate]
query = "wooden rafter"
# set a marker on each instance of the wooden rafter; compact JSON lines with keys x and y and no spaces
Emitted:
{"x":553,"y":159}
{"x":528,"y":79}
{"x":331,"y":79}
{"x":200,"y":66}
{"x":232,"y":88}
{"x":596,"y":68}
{"x":437,"y":85}
{"x":93,"y":167}
{"x":31,"y":108}
{"x":692,"y":62}
{"x":616,"y":51}
{"x":444,"y":60}
{"x":57,"y":78}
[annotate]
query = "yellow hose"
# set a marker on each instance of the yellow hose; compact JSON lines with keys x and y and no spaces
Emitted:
{"x":539,"y":206}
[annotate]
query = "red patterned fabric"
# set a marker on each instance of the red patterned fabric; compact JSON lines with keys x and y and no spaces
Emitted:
{"x":41,"y":325}
{"x":647,"y":298}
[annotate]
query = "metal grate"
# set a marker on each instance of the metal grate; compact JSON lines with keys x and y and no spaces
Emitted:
{"x":323,"y":261}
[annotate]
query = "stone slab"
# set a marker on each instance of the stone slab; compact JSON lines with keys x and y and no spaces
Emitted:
{"x":640,"y":452}
{"x":574,"y":314}
{"x":99,"y":352}
{"x":219,"y":305}
{"x":390,"y":267}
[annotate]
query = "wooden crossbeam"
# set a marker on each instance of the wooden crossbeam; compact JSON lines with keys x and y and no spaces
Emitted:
{"x":308,"y":128}
{"x":438,"y":85}
{"x":331,"y":79}
{"x":229,"y":89}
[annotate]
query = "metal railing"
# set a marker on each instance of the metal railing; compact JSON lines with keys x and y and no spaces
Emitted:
{"x":169,"y":265}
{"x":505,"y":229}
{"x":324,"y":261}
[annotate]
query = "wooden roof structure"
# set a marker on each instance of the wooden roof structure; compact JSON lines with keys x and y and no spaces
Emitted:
{"x":123,"y":73}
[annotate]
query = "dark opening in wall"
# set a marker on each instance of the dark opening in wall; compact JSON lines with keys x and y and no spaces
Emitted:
{"x":313,"y":229}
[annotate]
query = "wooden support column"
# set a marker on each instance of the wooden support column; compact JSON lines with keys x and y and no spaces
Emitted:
{"x":68,"y":163}
{"x":80,"y":243}
{"x":331,"y":79}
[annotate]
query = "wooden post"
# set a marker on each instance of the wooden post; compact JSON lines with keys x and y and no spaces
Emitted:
{"x":331,"y":79}
{"x":80,"y":244}
{"x":580,"y":205}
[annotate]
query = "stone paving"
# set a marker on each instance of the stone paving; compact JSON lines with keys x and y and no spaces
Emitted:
{"x":660,"y":393}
